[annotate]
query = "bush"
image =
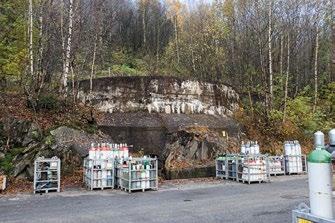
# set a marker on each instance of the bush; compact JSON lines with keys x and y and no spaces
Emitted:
{"x":49,"y":102}
{"x":6,"y":164}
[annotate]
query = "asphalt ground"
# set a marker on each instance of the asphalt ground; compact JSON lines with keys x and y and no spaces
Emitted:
{"x":176,"y":201}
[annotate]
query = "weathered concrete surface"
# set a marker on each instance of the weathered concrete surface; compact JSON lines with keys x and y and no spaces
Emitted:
{"x":150,"y":113}
{"x":152,"y":131}
{"x":159,"y":95}
{"x":186,"y":173}
{"x":186,"y":202}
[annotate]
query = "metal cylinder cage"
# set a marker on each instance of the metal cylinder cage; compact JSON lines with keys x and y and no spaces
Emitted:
{"x":258,"y":168}
{"x":47,"y":175}
{"x":126,"y":174}
{"x":99,"y":173}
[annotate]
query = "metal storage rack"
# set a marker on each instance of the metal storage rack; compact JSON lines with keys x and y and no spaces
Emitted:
{"x":302,"y":214}
{"x":253,"y":168}
{"x":295,"y":164}
{"x":99,"y":174}
{"x":140,"y":174}
{"x":243,"y":168}
{"x":47,"y":174}
{"x":277,"y":165}
{"x":118,"y":172}
{"x":226,"y":166}
{"x":220,"y":167}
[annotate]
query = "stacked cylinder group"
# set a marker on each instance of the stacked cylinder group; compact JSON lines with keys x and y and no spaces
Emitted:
{"x":99,"y":166}
{"x":250,"y":148}
{"x":292,"y":152}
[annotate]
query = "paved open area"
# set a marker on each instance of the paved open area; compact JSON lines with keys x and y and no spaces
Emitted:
{"x":187,"y":202}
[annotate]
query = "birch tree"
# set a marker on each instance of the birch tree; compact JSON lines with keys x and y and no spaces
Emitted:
{"x":316,"y":68}
{"x":93,"y":62}
{"x":270,"y":55}
{"x":30,"y":30}
{"x":287,"y":76}
{"x":68,"y":49}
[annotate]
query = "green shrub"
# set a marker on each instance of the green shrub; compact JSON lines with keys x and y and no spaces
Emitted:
{"x":49,"y":102}
{"x":6,"y":163}
{"x":125,"y":70}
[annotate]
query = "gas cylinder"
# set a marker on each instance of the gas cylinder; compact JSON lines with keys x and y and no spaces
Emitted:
{"x":252,"y":149}
{"x":287,"y":148}
{"x":319,"y":139}
{"x":320,"y":183}
{"x":257,"y":150}
{"x":243,"y":151}
{"x":91,"y":152}
{"x":331,"y":135}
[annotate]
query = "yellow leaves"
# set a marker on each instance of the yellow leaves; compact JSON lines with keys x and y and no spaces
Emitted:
{"x":176,"y":11}
{"x":228,"y":9}
{"x":175,"y":6}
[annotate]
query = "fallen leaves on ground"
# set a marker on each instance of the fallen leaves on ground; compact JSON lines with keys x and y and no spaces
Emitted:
{"x":15,"y":186}
{"x":74,"y":180}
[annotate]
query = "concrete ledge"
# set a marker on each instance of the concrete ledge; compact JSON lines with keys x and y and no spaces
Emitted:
{"x":194,"y":172}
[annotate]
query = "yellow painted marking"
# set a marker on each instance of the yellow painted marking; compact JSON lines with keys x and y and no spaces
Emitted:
{"x":300,"y":220}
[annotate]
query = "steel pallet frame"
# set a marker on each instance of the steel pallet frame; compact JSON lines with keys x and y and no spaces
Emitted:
{"x":118,"y":171}
{"x":131,"y":176}
{"x":220,"y":168}
{"x":238,"y":167}
{"x":226,"y":166}
{"x":47,"y":175}
{"x":292,"y":164}
{"x":246,"y":163}
{"x":94,"y":171}
{"x":275,"y":170}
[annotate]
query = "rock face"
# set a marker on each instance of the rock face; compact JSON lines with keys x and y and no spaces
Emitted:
{"x":159,"y":95}
{"x":27,"y":143}
{"x":78,"y":140}
{"x":195,"y":146}
{"x":20,"y":132}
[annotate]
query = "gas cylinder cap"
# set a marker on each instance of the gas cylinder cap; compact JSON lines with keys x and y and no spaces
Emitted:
{"x":319,"y":156}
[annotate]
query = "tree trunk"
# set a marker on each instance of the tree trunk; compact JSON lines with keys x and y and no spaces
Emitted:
{"x":260,"y":51}
{"x":68,"y":49}
{"x":287,"y":76}
{"x":144,"y":26}
{"x":93,"y":63}
{"x":333,"y":40}
{"x":41,"y":73}
{"x":249,"y":95}
{"x":31,"y":54}
{"x":176,"y":38}
{"x":63,"y":44}
{"x":270,"y":56}
{"x":73,"y":85}
{"x":281,"y":54}
{"x":158,"y":45}
{"x":316,"y":69}
{"x":40,"y":51}
{"x":192,"y":55}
